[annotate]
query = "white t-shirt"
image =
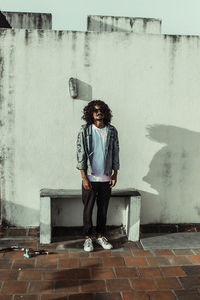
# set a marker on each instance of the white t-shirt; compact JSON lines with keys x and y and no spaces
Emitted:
{"x":99,"y":136}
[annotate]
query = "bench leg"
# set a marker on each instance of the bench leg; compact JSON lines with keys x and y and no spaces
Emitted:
{"x":133,"y":222}
{"x":45,"y":220}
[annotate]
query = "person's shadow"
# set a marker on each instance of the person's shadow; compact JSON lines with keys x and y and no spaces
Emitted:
{"x":174,"y":172}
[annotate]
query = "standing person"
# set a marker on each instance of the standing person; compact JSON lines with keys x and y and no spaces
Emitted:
{"x":97,"y":156}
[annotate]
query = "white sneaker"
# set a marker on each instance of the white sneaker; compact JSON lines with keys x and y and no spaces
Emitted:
{"x":88,"y":246}
{"x":104,"y":243}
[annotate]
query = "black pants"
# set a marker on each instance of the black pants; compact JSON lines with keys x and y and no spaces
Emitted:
{"x":101,"y":192}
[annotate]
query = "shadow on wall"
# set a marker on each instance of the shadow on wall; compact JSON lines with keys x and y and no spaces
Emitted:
{"x":84,"y":90}
{"x":14,"y":214}
{"x":174,"y":172}
{"x":3,"y":21}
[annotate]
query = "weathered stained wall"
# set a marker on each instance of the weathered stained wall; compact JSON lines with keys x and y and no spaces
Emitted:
{"x":123,"y":24}
{"x":151,"y":83}
{"x":28,"y":20}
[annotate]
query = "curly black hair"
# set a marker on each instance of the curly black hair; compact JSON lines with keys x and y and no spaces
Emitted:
{"x":89,"y":109}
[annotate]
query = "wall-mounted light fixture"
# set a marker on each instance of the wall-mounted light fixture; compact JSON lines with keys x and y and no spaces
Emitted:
{"x":73,"y":87}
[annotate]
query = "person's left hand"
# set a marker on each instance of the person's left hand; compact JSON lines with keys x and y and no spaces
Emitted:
{"x":113,"y":181}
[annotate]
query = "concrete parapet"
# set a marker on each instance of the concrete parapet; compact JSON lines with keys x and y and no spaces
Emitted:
{"x":124,"y":24}
{"x":26,"y":20}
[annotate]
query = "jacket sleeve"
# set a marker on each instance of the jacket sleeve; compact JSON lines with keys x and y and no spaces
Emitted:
{"x":115,"y":163}
{"x":81,"y":153}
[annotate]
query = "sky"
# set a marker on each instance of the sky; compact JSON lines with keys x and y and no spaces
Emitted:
{"x":178,"y":16}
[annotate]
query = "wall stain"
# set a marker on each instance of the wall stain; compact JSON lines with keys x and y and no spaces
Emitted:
{"x":60,"y":34}
{"x":39,"y":22}
{"x":145,"y":21}
{"x":74,"y":39}
{"x":167,"y":165}
{"x":26,"y":37}
{"x":87,"y":50}
{"x":132,"y":22}
{"x":40,"y":34}
{"x":174,"y":40}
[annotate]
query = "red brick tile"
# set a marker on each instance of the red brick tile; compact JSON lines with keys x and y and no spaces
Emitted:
{"x":183,"y":252}
{"x":81,"y":297}
{"x":113,"y":261}
{"x":168,"y":283}
{"x":135,"y":296}
{"x":30,"y":275}
{"x":100,"y":253}
{"x":24,"y":263}
{"x":118,"y":285}
{"x":133,"y":245}
{"x":33,"y":232}
{"x":165,"y":295}
{"x":179,"y":260}
{"x":42,"y":287}
{"x":102,"y":273}
{"x":122,"y":253}
{"x":54,"y":297}
{"x":195,"y":259}
{"x":78,"y":254}
{"x":91,"y":261}
{"x":143,"y":284}
{"x":92,"y":286}
{"x":14,"y":287}
{"x":187,"y":294}
{"x":5,"y":264}
{"x":145,"y":272}
{"x":67,"y":286}
{"x":46,"y":263}
{"x":67,"y":274}
{"x":26,"y":297}
{"x":69,"y":263}
{"x":17,"y":231}
{"x":163,"y":252}
{"x":108,"y":296}
{"x":48,"y":247}
{"x":141,"y":252}
{"x":135,"y":261}
{"x":8,"y":274}
{"x":190,"y":282}
{"x":126,"y":272}
{"x":173,"y":271}
{"x":6,"y":297}
{"x":64,"y":255}
{"x":158,"y":261}
{"x":14,"y":255}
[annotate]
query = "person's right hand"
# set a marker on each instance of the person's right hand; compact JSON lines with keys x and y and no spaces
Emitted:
{"x":87,"y":184}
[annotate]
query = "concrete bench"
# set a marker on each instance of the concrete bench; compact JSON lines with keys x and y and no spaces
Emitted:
{"x":132,"y":210}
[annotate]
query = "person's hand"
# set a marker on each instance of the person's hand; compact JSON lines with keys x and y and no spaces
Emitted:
{"x":87,"y":184}
{"x":113,"y":180}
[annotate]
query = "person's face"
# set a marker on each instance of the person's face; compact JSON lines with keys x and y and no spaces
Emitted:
{"x":98,"y":114}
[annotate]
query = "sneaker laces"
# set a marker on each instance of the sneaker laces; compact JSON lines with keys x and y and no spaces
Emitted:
{"x":104,"y":240}
{"x":88,"y":242}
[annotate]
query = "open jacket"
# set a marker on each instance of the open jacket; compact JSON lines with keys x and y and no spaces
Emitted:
{"x":85,"y":153}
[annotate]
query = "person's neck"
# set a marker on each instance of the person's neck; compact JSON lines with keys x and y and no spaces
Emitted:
{"x":99,"y":124}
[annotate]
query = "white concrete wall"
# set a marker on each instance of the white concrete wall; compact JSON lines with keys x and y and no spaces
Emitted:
{"x":123,"y":24}
{"x":28,"y":20}
{"x":151,"y":83}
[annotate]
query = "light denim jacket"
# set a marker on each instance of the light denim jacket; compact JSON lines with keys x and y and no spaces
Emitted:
{"x":85,"y":153}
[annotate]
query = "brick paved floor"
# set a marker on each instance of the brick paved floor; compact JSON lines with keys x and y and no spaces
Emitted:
{"x":127,"y":273}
